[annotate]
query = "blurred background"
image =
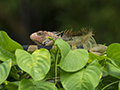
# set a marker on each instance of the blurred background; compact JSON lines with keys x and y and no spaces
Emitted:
{"x":20,"y":18}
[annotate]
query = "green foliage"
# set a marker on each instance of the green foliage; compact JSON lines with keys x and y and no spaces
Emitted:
{"x":64,"y":47}
{"x":61,"y":68}
{"x":70,"y":59}
{"x":46,"y":86}
{"x":11,"y":85}
{"x":108,"y":83}
{"x":87,"y":78}
{"x":5,"y":70}
{"x":28,"y":86}
{"x":7,"y":47}
{"x":74,"y":60}
{"x":114,"y":53}
{"x":37,"y":64}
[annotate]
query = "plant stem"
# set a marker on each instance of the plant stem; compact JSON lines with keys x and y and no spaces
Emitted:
{"x":109,"y":85}
{"x":56,"y":66}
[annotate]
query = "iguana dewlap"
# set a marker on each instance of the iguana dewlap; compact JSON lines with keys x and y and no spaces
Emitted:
{"x":85,"y":41}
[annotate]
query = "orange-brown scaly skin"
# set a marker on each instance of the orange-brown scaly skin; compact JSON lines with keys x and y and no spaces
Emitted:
{"x":40,"y":37}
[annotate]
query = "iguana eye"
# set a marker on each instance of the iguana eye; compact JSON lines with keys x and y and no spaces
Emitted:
{"x":39,"y":33}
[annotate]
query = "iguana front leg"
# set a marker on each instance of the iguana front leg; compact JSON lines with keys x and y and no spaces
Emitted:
{"x":99,"y":49}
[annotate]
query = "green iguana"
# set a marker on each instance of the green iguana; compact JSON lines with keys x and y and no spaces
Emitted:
{"x":83,"y":39}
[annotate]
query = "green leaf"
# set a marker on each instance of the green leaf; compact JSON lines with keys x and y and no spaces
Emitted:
{"x":43,"y":85}
{"x":37,"y":64}
{"x":113,"y":70}
{"x":7,"y":47}
{"x":63,"y":46}
{"x":46,"y":86}
{"x":14,"y":73}
{"x":114,"y":62}
{"x":119,"y":85}
{"x":85,"y":79}
{"x":74,"y":60}
{"x":26,"y":84}
{"x":113,"y":51}
{"x":93,"y":57}
{"x":108,"y":83}
{"x":5,"y":70}
{"x":11,"y":86}
{"x":53,"y":55}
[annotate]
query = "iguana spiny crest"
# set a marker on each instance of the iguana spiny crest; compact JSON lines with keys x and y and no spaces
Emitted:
{"x":79,"y":39}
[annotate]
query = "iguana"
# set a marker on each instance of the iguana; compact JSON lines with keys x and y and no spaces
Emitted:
{"x":83,"y":39}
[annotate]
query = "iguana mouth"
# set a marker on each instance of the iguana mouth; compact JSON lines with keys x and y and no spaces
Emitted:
{"x":44,"y":43}
{"x":39,"y":43}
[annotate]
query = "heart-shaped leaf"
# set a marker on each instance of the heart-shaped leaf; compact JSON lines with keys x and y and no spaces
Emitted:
{"x":85,"y":79}
{"x":74,"y":60}
{"x":5,"y":70}
{"x":37,"y":64}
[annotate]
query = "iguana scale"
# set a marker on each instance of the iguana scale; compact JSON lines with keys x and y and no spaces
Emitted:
{"x":83,"y":39}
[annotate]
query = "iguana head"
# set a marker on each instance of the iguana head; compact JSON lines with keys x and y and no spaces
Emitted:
{"x":40,"y":37}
